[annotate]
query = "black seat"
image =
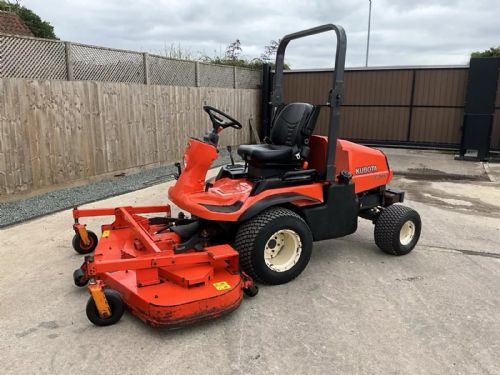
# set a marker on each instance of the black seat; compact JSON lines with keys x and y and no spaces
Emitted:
{"x":266,"y":152}
{"x":290,"y":133}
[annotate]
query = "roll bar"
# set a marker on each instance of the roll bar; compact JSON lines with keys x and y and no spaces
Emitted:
{"x":335,"y":99}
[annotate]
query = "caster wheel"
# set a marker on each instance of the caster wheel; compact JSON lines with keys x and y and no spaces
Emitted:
{"x":80,"y":247}
{"x":116,"y":305}
{"x":251,"y":291}
{"x":79,"y":278}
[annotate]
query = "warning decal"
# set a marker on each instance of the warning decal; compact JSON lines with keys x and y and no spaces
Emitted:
{"x":222,"y":285}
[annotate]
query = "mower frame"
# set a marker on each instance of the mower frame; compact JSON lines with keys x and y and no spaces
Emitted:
{"x":162,"y":265}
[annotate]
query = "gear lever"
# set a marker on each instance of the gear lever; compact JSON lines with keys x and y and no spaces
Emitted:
{"x":230,"y":150}
{"x":233,"y":166}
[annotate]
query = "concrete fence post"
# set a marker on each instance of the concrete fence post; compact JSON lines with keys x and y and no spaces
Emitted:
{"x":197,"y":74}
{"x":69,"y":61}
{"x":145,"y":64}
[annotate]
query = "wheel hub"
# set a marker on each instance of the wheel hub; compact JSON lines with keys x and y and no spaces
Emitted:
{"x":283,"y":250}
{"x":407,"y":232}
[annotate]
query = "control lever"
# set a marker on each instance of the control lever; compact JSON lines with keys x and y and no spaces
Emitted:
{"x":230,"y":150}
{"x":233,"y":166}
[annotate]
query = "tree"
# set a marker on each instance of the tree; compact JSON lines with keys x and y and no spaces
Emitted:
{"x":39,"y":28}
{"x":492,"y":52}
{"x":270,"y":51}
{"x":233,"y":50}
{"x":232,"y":56}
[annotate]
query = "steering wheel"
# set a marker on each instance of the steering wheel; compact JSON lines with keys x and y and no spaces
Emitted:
{"x":221,"y":119}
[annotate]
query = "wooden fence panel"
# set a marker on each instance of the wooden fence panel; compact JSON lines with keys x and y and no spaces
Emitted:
{"x":56,"y":132}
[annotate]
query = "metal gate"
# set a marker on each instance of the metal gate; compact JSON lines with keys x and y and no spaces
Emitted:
{"x":407,"y":106}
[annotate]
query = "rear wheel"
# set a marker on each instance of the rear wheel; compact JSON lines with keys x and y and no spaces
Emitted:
{"x":397,"y":229}
{"x":274,"y":246}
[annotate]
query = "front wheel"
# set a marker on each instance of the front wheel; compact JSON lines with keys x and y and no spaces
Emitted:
{"x":274,"y":246}
{"x":397,"y":229}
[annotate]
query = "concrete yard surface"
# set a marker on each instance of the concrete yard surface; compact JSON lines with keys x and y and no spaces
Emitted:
{"x":427,"y":164}
{"x":353,"y":310}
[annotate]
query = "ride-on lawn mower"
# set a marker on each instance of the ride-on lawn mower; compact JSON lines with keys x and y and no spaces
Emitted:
{"x":255,"y":221}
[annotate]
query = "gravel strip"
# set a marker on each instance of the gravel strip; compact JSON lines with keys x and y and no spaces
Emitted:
{"x":30,"y":208}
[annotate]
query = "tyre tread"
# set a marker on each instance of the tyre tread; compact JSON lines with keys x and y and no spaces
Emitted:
{"x":247,"y":233}
{"x":386,"y":228}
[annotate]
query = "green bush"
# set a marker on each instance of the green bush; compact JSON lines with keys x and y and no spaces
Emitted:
{"x":492,"y":52}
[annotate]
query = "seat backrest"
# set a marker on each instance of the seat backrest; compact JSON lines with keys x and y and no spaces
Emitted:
{"x":294,"y":124}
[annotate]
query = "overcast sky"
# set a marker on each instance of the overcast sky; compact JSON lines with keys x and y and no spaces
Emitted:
{"x":419,"y":32}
